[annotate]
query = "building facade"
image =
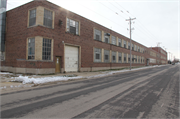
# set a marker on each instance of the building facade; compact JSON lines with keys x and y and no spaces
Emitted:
{"x":43,"y":38}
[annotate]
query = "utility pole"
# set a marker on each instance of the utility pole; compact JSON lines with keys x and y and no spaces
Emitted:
{"x":130,"y":36}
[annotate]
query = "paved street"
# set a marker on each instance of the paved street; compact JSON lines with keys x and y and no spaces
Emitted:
{"x":148,"y":93}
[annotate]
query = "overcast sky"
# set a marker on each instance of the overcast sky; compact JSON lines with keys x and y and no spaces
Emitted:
{"x":156,"y":20}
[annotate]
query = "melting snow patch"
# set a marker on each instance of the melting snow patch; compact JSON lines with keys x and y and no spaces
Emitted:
{"x":4,"y":73}
{"x":26,"y":79}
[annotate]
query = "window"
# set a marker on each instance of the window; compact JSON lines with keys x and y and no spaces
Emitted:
{"x":129,"y":58}
{"x":32,"y":17}
{"x":106,"y":55}
{"x":46,"y":49}
{"x":128,"y":45}
{"x":135,"y":48}
{"x":124,"y":58}
{"x":113,"y":57}
{"x":135,"y":59}
{"x":97,"y":55}
{"x":119,"y":57}
{"x":132,"y":58}
{"x":106,"y":38}
{"x":97,"y":35}
{"x":132,"y":46}
{"x":124,"y":44}
{"x":48,"y":18}
{"x":72,"y":26}
{"x":119,"y":42}
{"x":2,"y":56}
{"x":138,"y":49}
{"x":142,"y":50}
{"x":31,"y":49}
{"x":113,"y":38}
{"x":139,"y":60}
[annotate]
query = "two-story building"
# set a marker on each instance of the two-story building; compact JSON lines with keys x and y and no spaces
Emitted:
{"x":44,"y":38}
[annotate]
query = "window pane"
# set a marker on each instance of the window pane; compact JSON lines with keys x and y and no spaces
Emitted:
{"x":46,"y":49}
{"x":32,"y":17}
{"x":47,"y":18}
{"x":106,"y":55}
{"x":31,"y":48}
{"x":97,"y":55}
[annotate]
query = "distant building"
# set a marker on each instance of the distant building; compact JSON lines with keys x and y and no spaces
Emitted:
{"x":43,"y":38}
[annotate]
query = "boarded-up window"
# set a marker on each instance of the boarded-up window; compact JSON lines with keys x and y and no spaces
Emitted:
{"x":97,"y":55}
{"x":48,"y":18}
{"x":31,"y":49}
{"x":32,"y":17}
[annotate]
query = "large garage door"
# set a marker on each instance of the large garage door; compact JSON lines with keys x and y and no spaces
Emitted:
{"x":71,"y":59}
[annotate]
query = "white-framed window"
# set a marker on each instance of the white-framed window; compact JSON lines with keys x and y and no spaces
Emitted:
{"x":32,"y":17}
{"x":106,"y":56}
{"x":72,"y":26}
{"x":106,"y":38}
{"x":113,"y":40}
{"x":97,"y":35}
{"x":120,"y":57}
{"x":119,"y":42}
{"x":48,"y":18}
{"x":125,"y":57}
{"x":124,"y":44}
{"x":113,"y":57}
{"x":31,"y":48}
{"x":97,"y":55}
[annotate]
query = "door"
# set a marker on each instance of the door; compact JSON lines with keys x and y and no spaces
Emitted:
{"x":58,"y":66}
{"x":71,"y":59}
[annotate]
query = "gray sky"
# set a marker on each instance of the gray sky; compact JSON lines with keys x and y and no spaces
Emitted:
{"x":156,"y":20}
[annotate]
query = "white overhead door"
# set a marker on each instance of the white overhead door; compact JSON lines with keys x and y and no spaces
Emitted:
{"x":71,"y":59}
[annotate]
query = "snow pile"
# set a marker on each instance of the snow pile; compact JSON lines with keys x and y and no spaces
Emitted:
{"x":26,"y":79}
{"x":4,"y":73}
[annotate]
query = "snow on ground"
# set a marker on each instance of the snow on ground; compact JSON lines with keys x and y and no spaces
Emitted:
{"x":26,"y":79}
{"x":32,"y":80}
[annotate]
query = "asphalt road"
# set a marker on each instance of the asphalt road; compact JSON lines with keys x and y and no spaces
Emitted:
{"x":148,"y":93}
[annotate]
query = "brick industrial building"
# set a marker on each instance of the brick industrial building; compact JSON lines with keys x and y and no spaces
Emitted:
{"x":43,"y":38}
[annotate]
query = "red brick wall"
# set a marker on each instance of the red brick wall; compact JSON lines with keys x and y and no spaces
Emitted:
{"x":17,"y":33}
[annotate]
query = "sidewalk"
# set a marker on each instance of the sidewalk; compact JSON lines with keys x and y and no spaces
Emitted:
{"x":15,"y":82}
